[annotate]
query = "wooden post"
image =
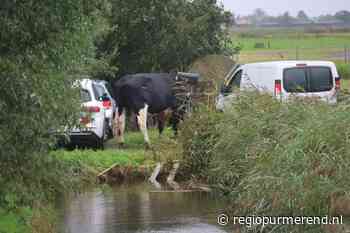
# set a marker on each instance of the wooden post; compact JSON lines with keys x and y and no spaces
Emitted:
{"x":345,"y":54}
{"x":297,"y":53}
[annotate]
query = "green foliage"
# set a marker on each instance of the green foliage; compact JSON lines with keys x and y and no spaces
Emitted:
{"x":161,"y":35}
{"x":343,"y":70}
{"x":343,"y":15}
{"x":44,"y":46}
{"x":278,"y":159}
{"x":18,"y":222}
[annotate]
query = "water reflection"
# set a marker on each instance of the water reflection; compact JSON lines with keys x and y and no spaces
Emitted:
{"x":137,"y":209}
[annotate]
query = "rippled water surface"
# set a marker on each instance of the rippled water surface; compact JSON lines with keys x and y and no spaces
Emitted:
{"x":140,"y":209}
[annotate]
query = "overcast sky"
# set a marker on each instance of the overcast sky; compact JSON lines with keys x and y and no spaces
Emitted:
{"x":276,"y":7}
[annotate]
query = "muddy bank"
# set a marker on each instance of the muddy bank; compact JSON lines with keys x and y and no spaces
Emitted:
{"x":168,"y":175}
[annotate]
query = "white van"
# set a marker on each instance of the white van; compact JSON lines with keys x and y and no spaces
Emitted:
{"x":282,"y":79}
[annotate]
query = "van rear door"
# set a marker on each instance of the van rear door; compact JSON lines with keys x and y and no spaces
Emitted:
{"x":310,"y":81}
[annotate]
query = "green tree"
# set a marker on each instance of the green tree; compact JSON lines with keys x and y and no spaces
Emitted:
{"x":43,"y":46}
{"x":259,"y":15}
{"x":285,"y":19}
{"x":343,"y":15}
{"x":160,"y":35}
{"x":303,"y":16}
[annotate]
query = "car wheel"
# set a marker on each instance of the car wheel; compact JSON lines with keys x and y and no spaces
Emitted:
{"x":100,"y":144}
{"x":110,"y":132}
{"x":106,"y":132}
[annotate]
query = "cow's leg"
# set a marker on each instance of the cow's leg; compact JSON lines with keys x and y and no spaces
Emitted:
{"x":142,"y":121}
{"x":119,"y":121}
{"x":161,"y":122}
{"x":175,"y":119}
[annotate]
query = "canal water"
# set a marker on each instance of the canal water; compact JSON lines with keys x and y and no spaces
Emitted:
{"x":140,"y":209}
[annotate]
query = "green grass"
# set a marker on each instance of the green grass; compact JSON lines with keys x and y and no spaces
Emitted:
{"x":345,"y":83}
{"x":286,"y":42}
{"x":100,"y":160}
{"x":133,"y":153}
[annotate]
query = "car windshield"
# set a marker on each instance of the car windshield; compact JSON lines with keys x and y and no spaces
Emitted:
{"x":307,"y":79}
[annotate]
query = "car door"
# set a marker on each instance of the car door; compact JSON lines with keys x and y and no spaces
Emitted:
{"x":229,"y":91}
{"x":310,"y":81}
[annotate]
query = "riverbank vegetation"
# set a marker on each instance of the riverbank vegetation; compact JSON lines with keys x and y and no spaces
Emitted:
{"x":43,"y":44}
{"x":47,"y":44}
{"x":274,"y":159}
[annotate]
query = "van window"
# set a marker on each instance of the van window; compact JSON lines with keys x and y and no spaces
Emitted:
{"x":320,"y":79}
{"x":307,"y":79}
{"x":294,"y":80}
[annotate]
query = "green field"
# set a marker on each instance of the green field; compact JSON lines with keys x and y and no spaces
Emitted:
{"x":283,"y":45}
{"x":290,"y":41}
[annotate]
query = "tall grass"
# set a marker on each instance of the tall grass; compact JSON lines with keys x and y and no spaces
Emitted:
{"x":343,"y":70}
{"x":276,"y":159}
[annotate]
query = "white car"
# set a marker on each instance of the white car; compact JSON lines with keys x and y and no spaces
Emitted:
{"x":93,"y":127}
{"x":104,"y":90}
{"x":282,"y":79}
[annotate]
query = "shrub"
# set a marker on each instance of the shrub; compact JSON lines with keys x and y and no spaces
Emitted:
{"x":343,"y":70}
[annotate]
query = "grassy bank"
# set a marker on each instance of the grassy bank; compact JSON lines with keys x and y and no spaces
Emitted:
{"x":28,"y":209}
{"x":274,"y":159}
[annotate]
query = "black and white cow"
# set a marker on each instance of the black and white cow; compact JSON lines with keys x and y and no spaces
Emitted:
{"x":142,"y":94}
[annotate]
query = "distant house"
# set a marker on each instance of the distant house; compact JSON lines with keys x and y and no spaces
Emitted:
{"x":243,"y":21}
{"x":301,"y":22}
{"x":268,"y":24}
{"x":330,"y":22}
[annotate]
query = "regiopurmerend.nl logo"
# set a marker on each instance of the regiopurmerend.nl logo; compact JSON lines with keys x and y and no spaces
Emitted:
{"x":250,"y":221}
